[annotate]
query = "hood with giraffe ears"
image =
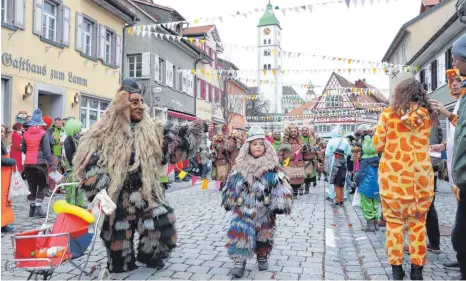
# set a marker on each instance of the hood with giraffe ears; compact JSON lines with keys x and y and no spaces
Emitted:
{"x":452,"y":74}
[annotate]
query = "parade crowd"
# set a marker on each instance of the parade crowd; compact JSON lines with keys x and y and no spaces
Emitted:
{"x":393,"y":165}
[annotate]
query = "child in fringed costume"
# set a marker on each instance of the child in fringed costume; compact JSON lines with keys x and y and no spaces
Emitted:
{"x":122,"y":153}
{"x":366,"y":179}
{"x":256,"y":190}
{"x":310,"y":157}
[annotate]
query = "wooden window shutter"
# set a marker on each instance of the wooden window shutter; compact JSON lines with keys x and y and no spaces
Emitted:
{"x":433,"y":75}
{"x":210,"y":93}
{"x":78,"y":41}
{"x":66,"y":25}
{"x":203,"y":89}
{"x":37,"y":17}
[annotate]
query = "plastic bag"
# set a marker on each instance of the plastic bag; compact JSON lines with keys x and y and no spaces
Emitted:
{"x":356,"y":199}
{"x":17,"y":186}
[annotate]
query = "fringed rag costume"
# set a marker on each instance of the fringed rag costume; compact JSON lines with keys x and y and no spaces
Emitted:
{"x":291,"y":151}
{"x":256,"y":190}
{"x":125,"y":159}
{"x":310,"y":159}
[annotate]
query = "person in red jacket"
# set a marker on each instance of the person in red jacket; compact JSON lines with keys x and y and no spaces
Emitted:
{"x":16,"y":143}
{"x":36,"y":146}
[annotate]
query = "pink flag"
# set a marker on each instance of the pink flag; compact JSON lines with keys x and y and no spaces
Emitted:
{"x":218,"y":183}
{"x":296,"y":157}
{"x":194,"y":180}
{"x":171,"y":167}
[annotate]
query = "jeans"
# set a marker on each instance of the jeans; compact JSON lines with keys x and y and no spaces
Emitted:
{"x":432,"y":227}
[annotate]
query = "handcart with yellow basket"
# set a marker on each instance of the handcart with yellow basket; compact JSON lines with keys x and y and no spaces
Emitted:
{"x":72,"y":236}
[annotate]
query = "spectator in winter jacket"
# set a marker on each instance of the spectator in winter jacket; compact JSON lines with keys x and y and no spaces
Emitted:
{"x":36,"y":146}
{"x":16,"y":142}
{"x":338,"y":176}
{"x":368,"y":186}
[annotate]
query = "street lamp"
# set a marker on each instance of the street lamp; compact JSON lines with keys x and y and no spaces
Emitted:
{"x":27,"y":91}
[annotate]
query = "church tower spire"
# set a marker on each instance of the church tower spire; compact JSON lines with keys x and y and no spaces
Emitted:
{"x":270,"y":59}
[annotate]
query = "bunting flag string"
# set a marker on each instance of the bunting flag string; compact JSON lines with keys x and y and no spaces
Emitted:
{"x":147,"y":30}
{"x":269,"y":72}
{"x":291,"y":10}
{"x":194,"y":178}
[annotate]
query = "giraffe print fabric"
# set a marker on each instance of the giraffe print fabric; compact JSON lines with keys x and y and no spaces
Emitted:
{"x":406,"y":179}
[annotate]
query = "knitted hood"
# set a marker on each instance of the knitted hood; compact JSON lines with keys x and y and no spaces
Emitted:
{"x":368,"y":148}
{"x":250,"y":167}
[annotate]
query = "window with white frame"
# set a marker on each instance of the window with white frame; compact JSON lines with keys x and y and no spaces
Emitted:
{"x":162,"y":70}
{"x":88,"y":37}
{"x":428,"y":79}
{"x":49,"y":21}
{"x":13,"y":14}
{"x":92,"y":110}
{"x":108,"y":46}
{"x":441,"y":70}
{"x":404,"y":57}
{"x":135,"y":66}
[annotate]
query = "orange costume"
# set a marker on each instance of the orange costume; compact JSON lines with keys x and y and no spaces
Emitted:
{"x":406,"y":180}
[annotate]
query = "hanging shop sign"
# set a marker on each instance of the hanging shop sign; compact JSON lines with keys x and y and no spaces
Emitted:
{"x":26,"y":65}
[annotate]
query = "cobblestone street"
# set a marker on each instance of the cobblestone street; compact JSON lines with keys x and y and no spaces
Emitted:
{"x":315,"y":242}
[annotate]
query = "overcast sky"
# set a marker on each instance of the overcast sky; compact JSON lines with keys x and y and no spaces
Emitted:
{"x":358,"y":33}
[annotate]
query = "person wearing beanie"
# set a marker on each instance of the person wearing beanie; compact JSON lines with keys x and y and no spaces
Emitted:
{"x":459,"y":161}
{"x":72,"y":130}
{"x":256,"y":191}
{"x":310,"y":157}
{"x":36,"y":146}
{"x":454,"y":83}
{"x":368,"y":186}
{"x":122,"y":153}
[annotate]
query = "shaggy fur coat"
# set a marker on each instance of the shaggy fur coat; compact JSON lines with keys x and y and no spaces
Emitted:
{"x":253,"y":224}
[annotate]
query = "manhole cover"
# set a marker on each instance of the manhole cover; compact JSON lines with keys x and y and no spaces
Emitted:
{"x":445,"y":230}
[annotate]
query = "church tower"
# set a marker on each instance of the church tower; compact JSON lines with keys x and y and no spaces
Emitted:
{"x":270,"y":60}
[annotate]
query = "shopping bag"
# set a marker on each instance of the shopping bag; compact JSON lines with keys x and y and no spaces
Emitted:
{"x":356,"y":199}
{"x":17,"y":186}
{"x":56,"y":176}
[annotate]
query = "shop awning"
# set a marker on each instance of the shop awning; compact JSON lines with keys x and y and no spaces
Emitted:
{"x":181,"y":115}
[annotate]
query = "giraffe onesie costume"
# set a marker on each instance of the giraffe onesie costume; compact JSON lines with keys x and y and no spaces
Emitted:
{"x":406,"y":180}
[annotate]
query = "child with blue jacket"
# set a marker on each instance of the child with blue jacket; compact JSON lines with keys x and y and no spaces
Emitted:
{"x":366,"y":179}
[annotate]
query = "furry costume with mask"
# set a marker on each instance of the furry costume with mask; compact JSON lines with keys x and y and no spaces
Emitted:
{"x":256,"y":190}
{"x":124,"y":157}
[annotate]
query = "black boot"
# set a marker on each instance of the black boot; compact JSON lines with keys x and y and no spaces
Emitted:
{"x":262,"y":263}
{"x":238,"y":270}
{"x":416,"y":272}
{"x":398,"y":272}
{"x":31,"y":209}
{"x":38,"y":213}
{"x":307,"y":188}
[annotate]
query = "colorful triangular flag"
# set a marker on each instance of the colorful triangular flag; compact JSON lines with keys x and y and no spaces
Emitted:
{"x":286,"y":162}
{"x":182,"y":174}
{"x":205,"y":183}
{"x":194,"y":180}
{"x":171,"y":167}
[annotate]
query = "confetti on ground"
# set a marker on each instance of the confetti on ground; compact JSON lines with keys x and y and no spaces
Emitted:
{"x":350,"y":225}
{"x":334,"y":224}
{"x":273,"y":275}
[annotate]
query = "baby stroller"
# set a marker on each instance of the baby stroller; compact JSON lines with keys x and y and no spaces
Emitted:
{"x":42,"y":251}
